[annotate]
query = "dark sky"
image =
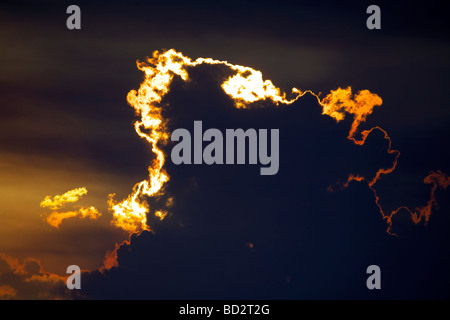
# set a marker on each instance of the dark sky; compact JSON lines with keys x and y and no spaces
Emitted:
{"x":65,"y":122}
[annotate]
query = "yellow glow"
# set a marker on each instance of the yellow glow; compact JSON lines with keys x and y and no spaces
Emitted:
{"x":58,"y":201}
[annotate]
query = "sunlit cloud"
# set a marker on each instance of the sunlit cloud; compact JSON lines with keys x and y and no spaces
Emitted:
{"x":57,"y":202}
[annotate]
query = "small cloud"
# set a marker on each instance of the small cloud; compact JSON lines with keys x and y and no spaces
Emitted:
{"x":29,"y":280}
{"x":7,"y":292}
{"x":57,"y":202}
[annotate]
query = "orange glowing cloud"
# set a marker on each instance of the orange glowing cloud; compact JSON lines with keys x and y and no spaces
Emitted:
{"x":57,"y":202}
{"x":56,"y":218}
{"x":28,"y":280}
{"x":246,"y":86}
{"x":436,"y":179}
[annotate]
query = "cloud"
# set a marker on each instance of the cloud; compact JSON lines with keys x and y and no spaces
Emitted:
{"x":55,"y":218}
{"x":437,"y":179}
{"x":246,"y":87}
{"x":28,"y":280}
{"x":255,"y":41}
{"x":190,"y":227}
{"x":57,"y":202}
{"x":303,"y":232}
{"x":7,"y":292}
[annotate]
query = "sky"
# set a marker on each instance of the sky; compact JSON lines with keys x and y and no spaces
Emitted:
{"x":308,"y":232}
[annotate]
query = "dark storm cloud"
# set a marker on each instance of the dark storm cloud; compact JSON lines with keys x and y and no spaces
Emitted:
{"x":307,"y":242}
{"x":66,"y":92}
